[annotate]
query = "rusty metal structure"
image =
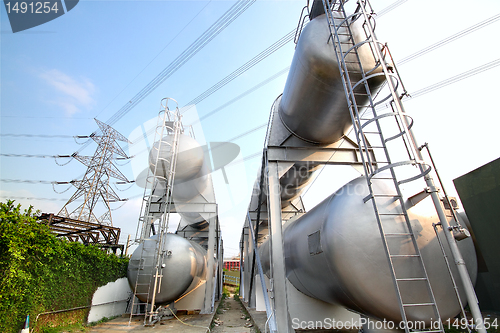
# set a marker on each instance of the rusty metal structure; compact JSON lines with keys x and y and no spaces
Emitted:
{"x":104,"y":236}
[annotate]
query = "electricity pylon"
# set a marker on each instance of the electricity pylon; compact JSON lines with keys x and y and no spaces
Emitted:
{"x":95,"y":185}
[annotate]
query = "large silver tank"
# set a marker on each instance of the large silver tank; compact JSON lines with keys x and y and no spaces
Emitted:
{"x":334,"y":253}
{"x":191,"y":169}
{"x":292,"y":183}
{"x":313,"y":105}
{"x":184,"y":268}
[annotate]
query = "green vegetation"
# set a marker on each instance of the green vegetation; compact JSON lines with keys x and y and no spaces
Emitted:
{"x":40,"y":272}
{"x":74,"y":328}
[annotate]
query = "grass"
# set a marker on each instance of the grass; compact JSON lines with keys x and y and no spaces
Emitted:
{"x":73,"y":328}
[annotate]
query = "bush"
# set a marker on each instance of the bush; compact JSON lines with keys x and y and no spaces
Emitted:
{"x":40,"y":272}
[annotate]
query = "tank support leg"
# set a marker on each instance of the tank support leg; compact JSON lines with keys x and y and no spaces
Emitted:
{"x":246,"y":266}
{"x":212,"y":224}
{"x":278,"y":284}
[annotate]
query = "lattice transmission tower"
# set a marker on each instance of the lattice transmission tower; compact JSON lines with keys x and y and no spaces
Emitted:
{"x":95,"y":185}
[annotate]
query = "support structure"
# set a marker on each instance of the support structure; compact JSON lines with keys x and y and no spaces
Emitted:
{"x":384,"y":150}
{"x":283,"y":150}
{"x":339,"y":22}
{"x":101,"y":235}
{"x":155,"y":220}
{"x":169,"y":189}
{"x":95,"y":185}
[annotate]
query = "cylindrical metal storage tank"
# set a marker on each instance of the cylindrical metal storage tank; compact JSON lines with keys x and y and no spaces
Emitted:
{"x":191,"y":170}
{"x":190,"y":157}
{"x":292,"y":183}
{"x":313,"y":105}
{"x":335,"y":253}
{"x":184,"y":267}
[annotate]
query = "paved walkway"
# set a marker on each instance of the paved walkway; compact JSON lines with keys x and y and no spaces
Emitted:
{"x":232,"y":318}
{"x":192,"y":324}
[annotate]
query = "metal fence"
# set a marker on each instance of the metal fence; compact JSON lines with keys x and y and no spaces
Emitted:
{"x":231,"y":280}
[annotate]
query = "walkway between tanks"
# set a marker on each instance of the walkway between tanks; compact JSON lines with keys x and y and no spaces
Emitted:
{"x":230,"y":317}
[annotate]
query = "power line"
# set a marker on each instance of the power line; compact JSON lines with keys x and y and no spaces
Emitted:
{"x":227,"y":18}
{"x":211,"y":113}
{"x":276,"y":46}
{"x":456,"y":78}
{"x":35,"y":181}
{"x":449,"y":39}
{"x":248,"y":132}
{"x":215,"y":29}
{"x":36,"y":136}
{"x":249,"y":91}
{"x":36,"y":156}
{"x":35,"y":198}
{"x":413,"y":95}
{"x":252,"y":62}
{"x":28,"y":181}
{"x":390,"y":7}
{"x":170,"y":42}
{"x":288,"y":37}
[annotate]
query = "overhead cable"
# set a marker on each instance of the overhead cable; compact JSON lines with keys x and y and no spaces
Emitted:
{"x":390,"y":7}
{"x":456,"y":78}
{"x":211,"y":113}
{"x":170,"y":42}
{"x":252,"y":62}
{"x":227,"y":18}
{"x":215,"y":29}
{"x":449,"y":39}
{"x":413,"y":95}
{"x":229,"y":78}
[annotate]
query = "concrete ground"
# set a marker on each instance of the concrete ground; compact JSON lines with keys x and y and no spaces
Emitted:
{"x":191,"y":324}
{"x":231,"y":317}
{"x":259,"y":318}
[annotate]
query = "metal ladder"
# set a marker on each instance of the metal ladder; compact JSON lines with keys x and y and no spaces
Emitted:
{"x":355,"y":81}
{"x":158,"y":191}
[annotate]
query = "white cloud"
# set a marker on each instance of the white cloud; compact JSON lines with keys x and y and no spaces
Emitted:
{"x":72,"y":94}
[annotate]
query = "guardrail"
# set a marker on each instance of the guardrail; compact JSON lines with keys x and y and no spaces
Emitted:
{"x":231,"y":280}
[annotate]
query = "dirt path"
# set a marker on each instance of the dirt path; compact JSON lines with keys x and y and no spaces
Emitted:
{"x":231,"y":318}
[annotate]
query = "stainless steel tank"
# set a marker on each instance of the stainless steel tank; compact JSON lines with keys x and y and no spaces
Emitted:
{"x":334,"y":253}
{"x":313,"y":105}
{"x":191,"y":169}
{"x":183,"y":268}
{"x":292,"y":183}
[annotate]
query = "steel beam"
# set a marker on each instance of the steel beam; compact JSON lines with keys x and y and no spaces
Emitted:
{"x":280,"y":301}
{"x":246,"y":266}
{"x":207,"y":308}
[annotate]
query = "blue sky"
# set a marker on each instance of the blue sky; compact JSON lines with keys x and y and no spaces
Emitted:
{"x":55,"y":78}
